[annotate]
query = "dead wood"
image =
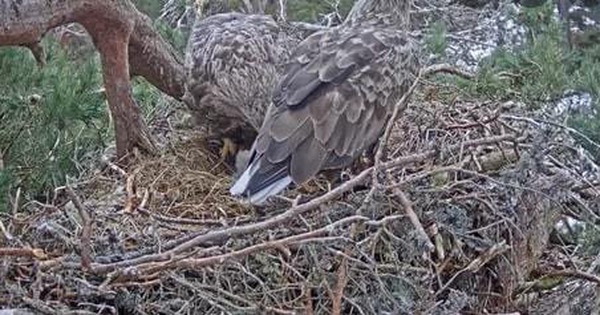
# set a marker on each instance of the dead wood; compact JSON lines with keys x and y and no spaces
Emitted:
{"x":86,"y":230}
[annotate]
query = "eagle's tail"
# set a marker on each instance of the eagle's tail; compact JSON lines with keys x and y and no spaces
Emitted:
{"x":261,"y":180}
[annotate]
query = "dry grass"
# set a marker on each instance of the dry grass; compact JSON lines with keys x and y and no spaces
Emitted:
{"x":188,"y":182}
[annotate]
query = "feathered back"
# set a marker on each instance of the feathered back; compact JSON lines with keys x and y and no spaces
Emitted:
{"x":391,"y":12}
{"x":232,"y":62}
{"x":333,"y":99}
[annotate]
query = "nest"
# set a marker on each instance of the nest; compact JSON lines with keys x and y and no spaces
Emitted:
{"x":458,"y":216}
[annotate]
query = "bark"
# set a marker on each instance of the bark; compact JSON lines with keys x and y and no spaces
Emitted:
{"x":154,"y":59}
{"x":127,"y":43}
{"x":111,"y":40}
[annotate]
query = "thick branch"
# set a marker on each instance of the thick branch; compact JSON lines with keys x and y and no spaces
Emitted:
{"x":151,"y":57}
{"x":124,"y":37}
{"x":111,"y":30}
{"x":25,"y":22}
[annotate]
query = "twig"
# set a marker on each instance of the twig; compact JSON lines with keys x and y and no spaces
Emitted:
{"x":110,"y":164}
{"x":39,"y":306}
{"x":36,"y":253}
{"x":342,"y":279}
{"x":185,"y":221}
{"x":454,"y":148}
{"x":146,"y":284}
{"x":195,"y":263}
{"x":145,"y":198}
{"x":486,"y":121}
{"x":86,"y":230}
{"x":283,"y":10}
{"x":147,"y":250}
{"x":253,"y":307}
{"x":308,"y":26}
{"x":400,"y":106}
{"x":249,"y":7}
{"x":536,"y":121}
{"x":574,"y":274}
{"x":493,"y":180}
{"x":16,"y":201}
{"x":447,"y":68}
{"x":482,"y":260}
{"x":131,"y":202}
{"x":553,"y":279}
{"x":308,"y":305}
{"x":5,"y":232}
{"x":337,"y":294}
{"x":100,"y":307}
{"x":412,"y":216}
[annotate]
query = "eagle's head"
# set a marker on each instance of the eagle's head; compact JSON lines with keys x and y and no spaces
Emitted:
{"x":205,"y":8}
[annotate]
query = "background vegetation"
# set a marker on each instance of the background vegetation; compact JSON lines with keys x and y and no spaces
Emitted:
{"x":51,"y":119}
{"x":543,"y":71}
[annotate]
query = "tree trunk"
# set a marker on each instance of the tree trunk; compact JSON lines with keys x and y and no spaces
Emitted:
{"x":111,"y":38}
{"x":123,"y":36}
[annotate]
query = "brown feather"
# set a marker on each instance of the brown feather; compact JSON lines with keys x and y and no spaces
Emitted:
{"x":232,"y":62}
{"x":322,"y":108}
{"x":310,"y":152}
{"x":325,"y":128}
{"x":286,"y":123}
{"x":280,"y":150}
{"x":337,"y":93}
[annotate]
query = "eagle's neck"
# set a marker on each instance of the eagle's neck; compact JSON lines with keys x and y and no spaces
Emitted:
{"x":388,"y":12}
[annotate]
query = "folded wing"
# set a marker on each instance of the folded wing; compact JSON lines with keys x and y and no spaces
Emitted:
{"x":331,"y":103}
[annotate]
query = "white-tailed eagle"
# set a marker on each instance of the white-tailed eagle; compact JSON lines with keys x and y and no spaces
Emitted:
{"x":232,"y":62}
{"x":333,"y":99}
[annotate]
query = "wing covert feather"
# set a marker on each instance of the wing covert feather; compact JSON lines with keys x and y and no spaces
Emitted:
{"x":332,"y":101}
{"x":307,"y":160}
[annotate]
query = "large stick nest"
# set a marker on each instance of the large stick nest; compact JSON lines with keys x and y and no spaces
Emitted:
{"x":459,"y":217}
{"x":457,"y":214}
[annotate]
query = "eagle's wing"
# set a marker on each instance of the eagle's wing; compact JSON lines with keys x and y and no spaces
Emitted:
{"x":332,"y":102}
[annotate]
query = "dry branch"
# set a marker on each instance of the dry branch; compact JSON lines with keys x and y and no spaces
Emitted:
{"x":5,"y":232}
{"x":36,"y":253}
{"x":414,"y":219}
{"x":446,"y":68}
{"x":476,"y":264}
{"x":86,"y":231}
{"x":195,"y":263}
{"x":574,"y":274}
{"x":337,"y":294}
